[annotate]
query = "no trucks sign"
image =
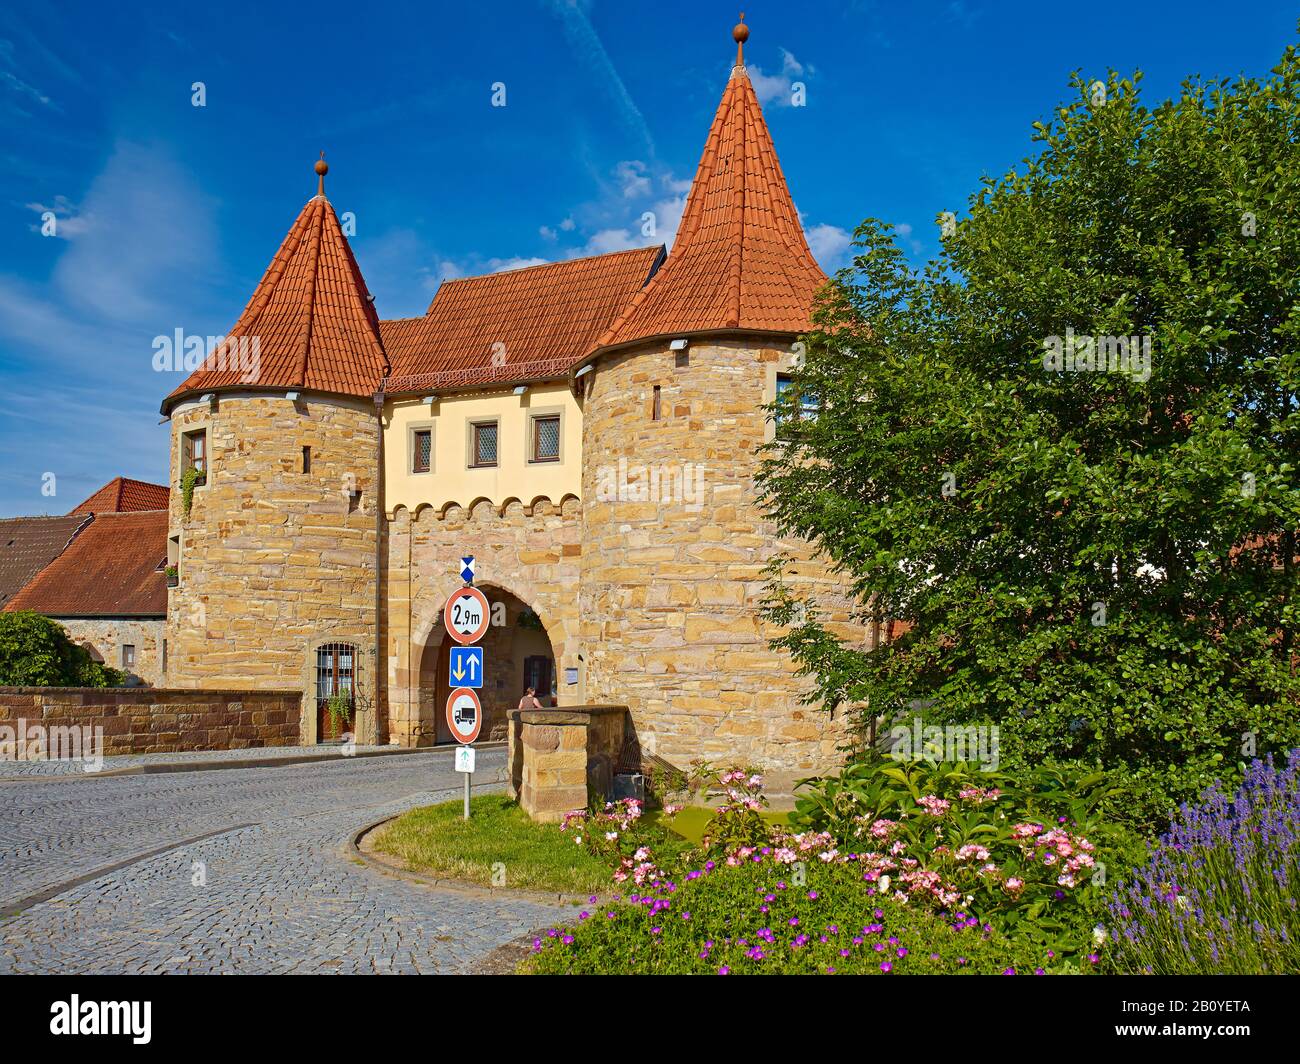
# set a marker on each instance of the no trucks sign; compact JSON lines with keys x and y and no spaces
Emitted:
{"x":464,"y":715}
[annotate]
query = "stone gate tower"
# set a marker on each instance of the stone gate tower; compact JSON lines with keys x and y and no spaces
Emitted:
{"x":674,"y":542}
{"x":275,"y":548}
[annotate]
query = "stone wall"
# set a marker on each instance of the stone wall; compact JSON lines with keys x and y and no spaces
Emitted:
{"x":104,"y":638}
{"x":275,"y":562}
{"x":147,"y":720}
{"x":532,"y":552}
{"x":563,"y":759}
{"x":671,"y":587}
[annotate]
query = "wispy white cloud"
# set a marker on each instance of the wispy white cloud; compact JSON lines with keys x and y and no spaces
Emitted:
{"x":69,"y":221}
{"x":778,"y":88}
{"x":829,"y":245}
{"x":589,"y":51}
{"x":78,"y":346}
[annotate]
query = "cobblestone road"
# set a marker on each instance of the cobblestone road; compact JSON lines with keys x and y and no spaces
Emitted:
{"x":280,"y":895}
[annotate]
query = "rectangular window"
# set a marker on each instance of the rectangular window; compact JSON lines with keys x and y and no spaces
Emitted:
{"x":334,"y":670}
{"x":546,"y":439}
{"x":656,"y":409}
{"x":682,"y":360}
{"x":306,"y":459}
{"x":421,"y":450}
{"x":806,"y":403}
{"x":128,"y":656}
{"x":194,"y":452}
{"x":483,"y":441}
{"x":164,"y":655}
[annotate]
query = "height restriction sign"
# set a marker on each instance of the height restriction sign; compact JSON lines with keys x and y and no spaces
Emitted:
{"x":466,"y":615}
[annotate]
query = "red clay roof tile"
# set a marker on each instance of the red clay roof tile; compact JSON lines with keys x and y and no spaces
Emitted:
{"x":111,"y":569}
{"x":123,"y":495}
{"x":29,"y":544}
{"x":312,"y":318}
{"x":740,"y":261}
{"x":538,"y":321}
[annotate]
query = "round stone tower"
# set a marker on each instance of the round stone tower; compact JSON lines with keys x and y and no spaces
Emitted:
{"x":674,"y":541}
{"x":274,"y":459}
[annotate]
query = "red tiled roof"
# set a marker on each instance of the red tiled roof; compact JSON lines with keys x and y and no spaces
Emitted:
{"x":109,"y":570}
{"x":311,"y":316}
{"x":545,"y":318}
{"x":122,"y":495}
{"x":740,"y":261}
{"x":29,"y":544}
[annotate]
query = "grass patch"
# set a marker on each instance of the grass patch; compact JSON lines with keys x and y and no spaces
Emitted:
{"x":435,"y":840}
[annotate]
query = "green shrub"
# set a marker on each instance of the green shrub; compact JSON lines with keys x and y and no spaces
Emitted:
{"x":1029,"y":853}
{"x":36,"y":652}
{"x":761,"y":917}
{"x":1100,"y":563}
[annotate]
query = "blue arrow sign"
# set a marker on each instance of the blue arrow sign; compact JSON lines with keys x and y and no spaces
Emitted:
{"x":466,"y":666}
{"x":467,"y":569}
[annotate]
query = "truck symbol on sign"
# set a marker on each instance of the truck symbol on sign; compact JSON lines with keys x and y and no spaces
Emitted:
{"x":465,"y":713}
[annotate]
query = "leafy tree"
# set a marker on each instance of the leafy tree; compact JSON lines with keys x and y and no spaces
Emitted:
{"x":1102,"y":562}
{"x":36,"y":652}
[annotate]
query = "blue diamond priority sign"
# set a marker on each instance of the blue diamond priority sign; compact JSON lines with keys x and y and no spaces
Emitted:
{"x":467,"y":569}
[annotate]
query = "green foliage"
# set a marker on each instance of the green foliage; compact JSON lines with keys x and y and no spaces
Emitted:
{"x":1103,"y":564}
{"x":189,"y":479}
{"x":339,"y":707}
{"x":1022,"y":852}
{"x":721,"y":920}
{"x":36,"y":652}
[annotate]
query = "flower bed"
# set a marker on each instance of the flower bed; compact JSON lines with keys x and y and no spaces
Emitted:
{"x":944,"y":884}
{"x":1218,"y":894}
{"x":759,"y":916}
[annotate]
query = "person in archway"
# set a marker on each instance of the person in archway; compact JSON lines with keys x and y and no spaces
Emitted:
{"x":529,"y":701}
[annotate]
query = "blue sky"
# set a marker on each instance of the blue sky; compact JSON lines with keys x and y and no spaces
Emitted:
{"x":168,"y":213}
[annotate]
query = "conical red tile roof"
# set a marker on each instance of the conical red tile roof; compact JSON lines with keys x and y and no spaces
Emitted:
{"x":740,"y":261}
{"x":311,"y":315}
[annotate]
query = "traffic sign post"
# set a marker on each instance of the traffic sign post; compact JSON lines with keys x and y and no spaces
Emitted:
{"x":465,"y":716}
{"x":466,"y":617}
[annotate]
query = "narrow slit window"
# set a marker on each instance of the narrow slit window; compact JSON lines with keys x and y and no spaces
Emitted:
{"x":656,"y":411}
{"x":306,"y":459}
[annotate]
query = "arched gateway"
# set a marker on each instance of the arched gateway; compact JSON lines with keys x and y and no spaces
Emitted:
{"x":518,"y":654}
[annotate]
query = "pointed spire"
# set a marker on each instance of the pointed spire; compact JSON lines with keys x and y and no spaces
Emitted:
{"x":311,"y":321}
{"x":740,"y":262}
{"x":740,"y":35}
{"x":322,"y":168}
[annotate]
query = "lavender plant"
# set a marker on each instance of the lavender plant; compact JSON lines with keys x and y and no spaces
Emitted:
{"x":1218,"y":893}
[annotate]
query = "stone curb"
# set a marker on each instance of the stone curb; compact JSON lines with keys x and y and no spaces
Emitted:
{"x":477,"y":890}
{"x":161,"y":767}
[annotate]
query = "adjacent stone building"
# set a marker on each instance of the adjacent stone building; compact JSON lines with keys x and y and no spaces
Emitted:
{"x":588,"y":430}
{"x":102,"y":574}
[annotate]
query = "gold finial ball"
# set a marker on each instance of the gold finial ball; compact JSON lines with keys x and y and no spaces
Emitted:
{"x":740,"y":34}
{"x":322,"y":167}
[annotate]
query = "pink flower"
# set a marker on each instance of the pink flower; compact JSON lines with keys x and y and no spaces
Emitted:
{"x":934,"y":805}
